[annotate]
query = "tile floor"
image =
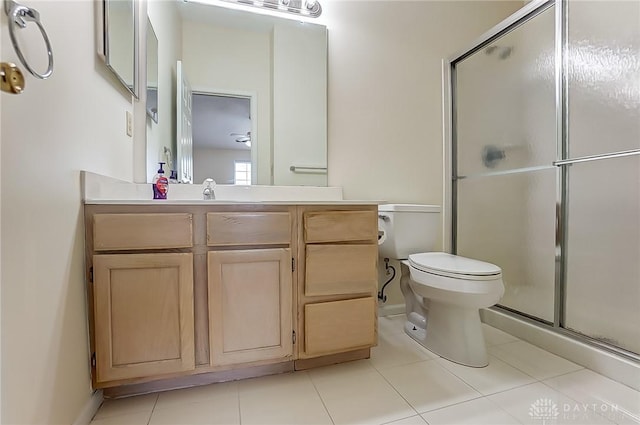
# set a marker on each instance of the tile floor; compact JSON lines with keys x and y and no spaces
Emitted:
{"x":403,"y":384}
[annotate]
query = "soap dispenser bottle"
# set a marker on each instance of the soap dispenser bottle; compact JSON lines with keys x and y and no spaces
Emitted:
{"x":160,"y":184}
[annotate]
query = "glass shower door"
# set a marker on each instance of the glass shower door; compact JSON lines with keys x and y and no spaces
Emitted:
{"x":546,"y":165}
{"x":603,"y":203}
{"x":505,"y":181}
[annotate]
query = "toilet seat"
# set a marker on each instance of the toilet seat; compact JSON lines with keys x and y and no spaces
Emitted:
{"x":454,"y":266}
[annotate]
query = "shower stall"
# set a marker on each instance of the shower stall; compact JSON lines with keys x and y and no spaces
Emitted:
{"x":543,"y":169}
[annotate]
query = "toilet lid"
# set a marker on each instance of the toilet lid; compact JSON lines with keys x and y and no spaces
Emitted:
{"x":452,"y":265}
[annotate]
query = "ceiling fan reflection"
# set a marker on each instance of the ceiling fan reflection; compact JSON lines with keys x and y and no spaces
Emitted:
{"x":243,"y":138}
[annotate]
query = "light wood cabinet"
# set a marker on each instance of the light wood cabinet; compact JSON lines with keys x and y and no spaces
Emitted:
{"x":337,"y":305}
{"x":143,"y":314}
{"x":112,"y":232}
{"x":339,"y":226}
{"x":250,"y":305}
{"x":248,"y":228}
{"x":340,"y":269}
{"x":337,"y":326}
{"x":200,"y":293}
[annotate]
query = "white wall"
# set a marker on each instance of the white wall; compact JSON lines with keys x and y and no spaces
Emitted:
{"x":218,"y":164}
{"x":165,"y":18}
{"x":385,"y":96}
{"x":73,"y":121}
{"x":233,"y":61}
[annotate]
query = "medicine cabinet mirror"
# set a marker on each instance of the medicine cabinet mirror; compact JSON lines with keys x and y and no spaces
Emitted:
{"x":118,"y":40}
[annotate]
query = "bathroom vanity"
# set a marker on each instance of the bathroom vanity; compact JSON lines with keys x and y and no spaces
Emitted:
{"x":183,"y":293}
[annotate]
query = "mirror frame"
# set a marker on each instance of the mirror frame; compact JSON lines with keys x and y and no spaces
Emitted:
{"x":152,"y":109}
{"x":105,"y":50}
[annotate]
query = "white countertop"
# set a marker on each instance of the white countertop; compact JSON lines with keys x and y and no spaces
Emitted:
{"x":223,"y":202}
{"x":102,"y":190}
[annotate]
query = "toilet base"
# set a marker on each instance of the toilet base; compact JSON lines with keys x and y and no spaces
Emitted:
{"x":415,"y":332}
{"x":454,"y":333}
{"x":416,"y":329}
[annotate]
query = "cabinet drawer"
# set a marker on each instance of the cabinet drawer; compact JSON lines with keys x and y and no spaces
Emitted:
{"x":262,"y":228}
{"x":340,"y":269}
{"x":339,"y":326}
{"x":141,"y":231}
{"x":337,"y":226}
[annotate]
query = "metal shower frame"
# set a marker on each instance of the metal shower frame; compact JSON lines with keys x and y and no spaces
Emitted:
{"x":450,"y":176}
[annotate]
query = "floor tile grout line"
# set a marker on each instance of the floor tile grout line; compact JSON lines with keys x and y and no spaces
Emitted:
{"x":398,"y":392}
{"x":379,"y":368}
{"x":566,"y":373}
{"x":320,"y":396}
{"x":155,"y":403}
{"x":118,"y":400}
{"x":503,"y":343}
{"x":578,"y":402}
{"x":239,"y":406}
{"x":401,"y":419}
{"x":536,"y":347}
{"x":486,"y":395}
{"x":535,"y":377}
{"x":598,"y":374}
{"x":481,"y":395}
{"x":533,"y":383}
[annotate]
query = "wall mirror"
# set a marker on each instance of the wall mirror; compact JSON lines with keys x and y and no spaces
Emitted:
{"x":260,"y":100}
{"x":118,"y":40}
{"x":152,"y":73}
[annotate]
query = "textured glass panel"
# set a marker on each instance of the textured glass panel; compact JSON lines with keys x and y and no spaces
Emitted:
{"x":603,"y":261}
{"x":505,"y":101}
{"x":604,"y":76}
{"x":509,"y":220}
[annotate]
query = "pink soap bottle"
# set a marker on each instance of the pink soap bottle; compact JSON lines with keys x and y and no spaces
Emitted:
{"x":160,"y":184}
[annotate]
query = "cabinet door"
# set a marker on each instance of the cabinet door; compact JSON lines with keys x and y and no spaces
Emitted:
{"x":250,"y":305}
{"x":143,"y":315}
{"x":339,"y":326}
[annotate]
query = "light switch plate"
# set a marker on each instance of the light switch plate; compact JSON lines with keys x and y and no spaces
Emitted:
{"x":129,"y":124}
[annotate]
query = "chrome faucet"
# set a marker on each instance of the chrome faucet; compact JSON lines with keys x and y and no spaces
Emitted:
{"x":208,"y":193}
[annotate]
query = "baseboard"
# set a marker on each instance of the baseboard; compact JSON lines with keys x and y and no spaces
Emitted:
{"x":197,"y":379}
{"x":90,"y":408}
{"x":603,"y":362}
{"x":389,"y":310}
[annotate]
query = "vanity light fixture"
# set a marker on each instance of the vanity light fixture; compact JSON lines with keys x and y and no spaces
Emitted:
{"x":300,"y":8}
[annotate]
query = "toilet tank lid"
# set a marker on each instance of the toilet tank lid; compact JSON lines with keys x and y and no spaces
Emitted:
{"x":409,"y":208}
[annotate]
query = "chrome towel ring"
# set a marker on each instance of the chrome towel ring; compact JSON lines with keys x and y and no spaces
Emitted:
{"x":20,"y":15}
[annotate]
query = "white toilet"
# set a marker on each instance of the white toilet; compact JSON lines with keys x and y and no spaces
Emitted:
{"x":443,"y":292}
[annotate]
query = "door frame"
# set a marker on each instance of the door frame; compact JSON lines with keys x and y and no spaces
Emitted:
{"x":253,"y":107}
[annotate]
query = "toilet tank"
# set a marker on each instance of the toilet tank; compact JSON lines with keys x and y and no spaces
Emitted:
{"x":405,"y":229}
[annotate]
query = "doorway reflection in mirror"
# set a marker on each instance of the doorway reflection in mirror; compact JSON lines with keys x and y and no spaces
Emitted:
{"x":222,"y":138}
